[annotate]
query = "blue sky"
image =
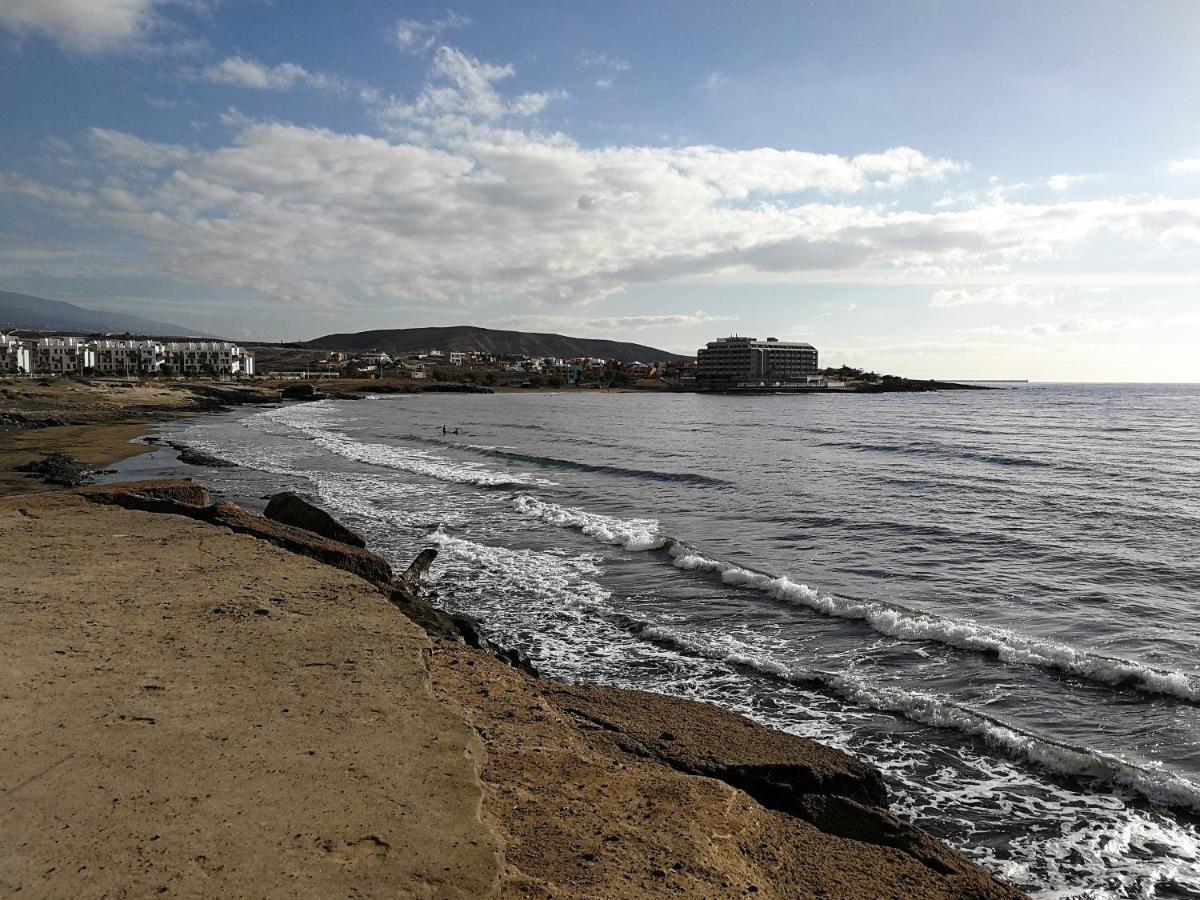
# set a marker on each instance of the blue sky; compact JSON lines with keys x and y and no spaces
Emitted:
{"x":931,"y":188}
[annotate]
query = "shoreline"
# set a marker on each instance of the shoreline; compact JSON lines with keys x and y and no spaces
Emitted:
{"x":542,"y":753}
{"x":577,"y":788}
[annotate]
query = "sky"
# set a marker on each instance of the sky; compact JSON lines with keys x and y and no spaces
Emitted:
{"x":933,"y":189}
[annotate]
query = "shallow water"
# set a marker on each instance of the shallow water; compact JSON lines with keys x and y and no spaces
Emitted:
{"x":993,"y":596}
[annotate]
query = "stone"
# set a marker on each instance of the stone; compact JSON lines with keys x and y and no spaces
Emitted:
{"x":290,"y":509}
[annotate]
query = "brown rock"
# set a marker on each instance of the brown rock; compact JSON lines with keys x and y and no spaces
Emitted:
{"x":178,"y":497}
{"x":779,"y":770}
{"x":290,"y":509}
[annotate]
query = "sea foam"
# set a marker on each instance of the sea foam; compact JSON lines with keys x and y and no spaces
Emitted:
{"x":889,"y":619}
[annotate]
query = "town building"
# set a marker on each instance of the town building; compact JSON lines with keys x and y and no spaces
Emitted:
{"x":207,"y":358}
{"x":749,"y":362}
{"x":58,"y":355}
{"x":14,"y":355}
{"x":62,"y":356}
{"x":127,"y":357}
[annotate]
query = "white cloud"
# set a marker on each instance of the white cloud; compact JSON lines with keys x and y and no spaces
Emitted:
{"x":415,"y":36}
{"x":240,"y":71}
{"x":88,"y":26}
{"x":460,"y":95}
{"x":1070,"y":326}
{"x":604,"y":84}
{"x":609,"y":323}
{"x":1186,"y":166}
{"x":467,"y":203}
{"x":995,"y":295}
{"x":1065,"y":181}
{"x":603,"y":61}
{"x":714,"y":80}
{"x":126,"y":148}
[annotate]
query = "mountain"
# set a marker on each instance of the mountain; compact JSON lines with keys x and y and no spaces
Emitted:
{"x":40,"y":314}
{"x":400,"y":341}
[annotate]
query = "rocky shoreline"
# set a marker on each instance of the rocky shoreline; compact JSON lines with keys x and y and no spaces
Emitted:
{"x":585,"y":791}
{"x":566,"y":790}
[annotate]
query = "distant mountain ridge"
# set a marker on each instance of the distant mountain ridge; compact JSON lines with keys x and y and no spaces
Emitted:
{"x":400,"y":341}
{"x":40,"y":314}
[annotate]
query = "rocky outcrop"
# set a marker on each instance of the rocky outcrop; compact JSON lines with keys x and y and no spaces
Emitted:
{"x":169,"y":497}
{"x":778,"y":770}
{"x":193,"y":457}
{"x":290,"y":509}
{"x":300,"y":391}
{"x":57,"y":468}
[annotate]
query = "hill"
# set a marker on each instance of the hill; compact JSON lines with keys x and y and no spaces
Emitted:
{"x":400,"y":341}
{"x":40,"y":314}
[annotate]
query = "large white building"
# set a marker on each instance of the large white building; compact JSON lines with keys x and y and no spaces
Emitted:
{"x":747,"y":361}
{"x":206,"y":358}
{"x":63,"y":356}
{"x":77,"y":356}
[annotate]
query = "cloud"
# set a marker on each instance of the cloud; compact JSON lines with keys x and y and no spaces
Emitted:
{"x":1070,"y":326}
{"x":1186,"y":166}
{"x":714,"y":80}
{"x":995,"y":295}
{"x":609,"y":323}
{"x":86,"y":26}
{"x":240,"y":71}
{"x":1065,"y":181}
{"x":461,"y":94}
{"x":603,"y":61}
{"x":467,"y":202}
{"x":604,"y":84}
{"x":416,"y":36}
{"x":120,"y":147}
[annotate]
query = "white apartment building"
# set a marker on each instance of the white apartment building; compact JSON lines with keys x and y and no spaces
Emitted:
{"x":53,"y":355}
{"x":207,"y":358}
{"x":128,"y":357}
{"x":62,"y":356}
{"x":14,"y":355}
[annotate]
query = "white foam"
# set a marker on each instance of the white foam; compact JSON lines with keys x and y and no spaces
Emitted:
{"x":886,"y":618}
{"x":306,"y":420}
{"x":1164,"y":788}
{"x":632,"y":534}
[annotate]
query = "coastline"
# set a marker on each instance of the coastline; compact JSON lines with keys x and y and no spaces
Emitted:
{"x":580,"y":796}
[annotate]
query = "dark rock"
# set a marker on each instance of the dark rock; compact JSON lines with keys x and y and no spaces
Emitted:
{"x":194,"y":457}
{"x":165,"y":497}
{"x":416,"y":571}
{"x":297,"y":392}
{"x":290,"y":509}
{"x":58,"y":468}
{"x":778,"y":770}
{"x":848,"y":819}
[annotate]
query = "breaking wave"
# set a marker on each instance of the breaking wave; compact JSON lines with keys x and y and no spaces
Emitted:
{"x":1162,"y":788}
{"x":889,"y":619}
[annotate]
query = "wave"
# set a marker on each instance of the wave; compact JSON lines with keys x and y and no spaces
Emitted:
{"x":925,"y":450}
{"x":404,"y":459}
{"x":1162,"y":788}
{"x":889,"y":619}
{"x":557,"y":463}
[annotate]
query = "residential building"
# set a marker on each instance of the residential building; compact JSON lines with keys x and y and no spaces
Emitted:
{"x":127,"y":357}
{"x":14,"y":355}
{"x":746,"y":361}
{"x":207,"y":358}
{"x":62,"y":356}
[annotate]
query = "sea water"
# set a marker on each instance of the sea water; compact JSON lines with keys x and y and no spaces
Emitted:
{"x":992,"y":596}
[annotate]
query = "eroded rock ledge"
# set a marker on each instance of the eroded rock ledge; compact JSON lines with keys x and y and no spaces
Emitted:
{"x":604,"y":792}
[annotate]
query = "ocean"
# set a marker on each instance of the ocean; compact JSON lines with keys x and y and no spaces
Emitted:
{"x":993,"y":596}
